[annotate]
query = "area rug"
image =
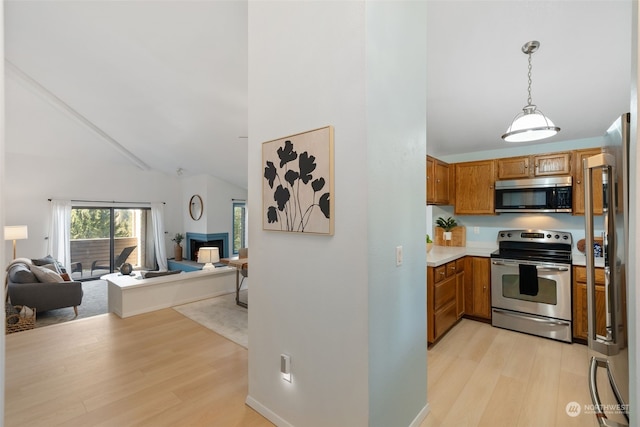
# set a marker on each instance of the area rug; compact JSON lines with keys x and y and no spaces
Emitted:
{"x":94,"y":302}
{"x":222,"y":315}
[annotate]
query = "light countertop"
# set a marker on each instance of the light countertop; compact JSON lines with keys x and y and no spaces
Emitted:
{"x":443,"y":254}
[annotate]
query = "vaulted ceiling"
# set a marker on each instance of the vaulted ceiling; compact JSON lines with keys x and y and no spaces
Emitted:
{"x":163,"y":84}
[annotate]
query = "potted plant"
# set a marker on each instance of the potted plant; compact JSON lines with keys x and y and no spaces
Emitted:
{"x":447,"y":225}
{"x":429,"y":243}
{"x":178,"y":238}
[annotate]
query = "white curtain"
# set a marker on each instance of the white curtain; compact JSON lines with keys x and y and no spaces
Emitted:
{"x":59,"y":243}
{"x":157,"y":218}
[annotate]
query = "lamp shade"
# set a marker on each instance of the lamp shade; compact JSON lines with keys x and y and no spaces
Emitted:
{"x":208,"y":256}
{"x":15,"y":232}
{"x":531,"y":125}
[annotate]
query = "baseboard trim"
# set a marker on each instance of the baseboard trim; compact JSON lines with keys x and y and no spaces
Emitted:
{"x":268,"y":413}
{"x":277,"y":420}
{"x":422,"y":415}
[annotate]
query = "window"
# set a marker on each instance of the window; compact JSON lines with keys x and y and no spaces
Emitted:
{"x":104,"y":238}
{"x":239,"y":226}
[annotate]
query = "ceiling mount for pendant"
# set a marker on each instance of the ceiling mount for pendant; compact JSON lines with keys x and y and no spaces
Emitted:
{"x":531,"y":124}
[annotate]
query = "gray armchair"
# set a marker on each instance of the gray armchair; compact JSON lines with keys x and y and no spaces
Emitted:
{"x":24,"y":288}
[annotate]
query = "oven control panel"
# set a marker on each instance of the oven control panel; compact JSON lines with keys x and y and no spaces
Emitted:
{"x":538,"y":236}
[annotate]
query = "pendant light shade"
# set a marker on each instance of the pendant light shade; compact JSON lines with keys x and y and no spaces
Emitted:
{"x":531,"y":124}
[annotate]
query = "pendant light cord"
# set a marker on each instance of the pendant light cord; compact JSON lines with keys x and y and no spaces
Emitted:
{"x":529,"y":75}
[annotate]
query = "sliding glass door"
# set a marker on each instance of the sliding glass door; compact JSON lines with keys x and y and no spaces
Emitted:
{"x":104,"y":238}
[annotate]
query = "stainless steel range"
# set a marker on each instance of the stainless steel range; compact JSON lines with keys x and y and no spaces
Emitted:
{"x":531,"y":283}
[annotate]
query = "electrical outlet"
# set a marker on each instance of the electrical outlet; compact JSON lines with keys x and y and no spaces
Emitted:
{"x":476,"y":230}
{"x":398,"y":256}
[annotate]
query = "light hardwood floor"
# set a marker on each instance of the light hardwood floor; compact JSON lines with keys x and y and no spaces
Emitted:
{"x":155,"y":369}
{"x":484,"y":376}
{"x":162,"y":369}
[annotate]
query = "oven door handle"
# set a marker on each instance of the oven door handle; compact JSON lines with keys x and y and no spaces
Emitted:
{"x":543,"y":268}
{"x":539,"y":267}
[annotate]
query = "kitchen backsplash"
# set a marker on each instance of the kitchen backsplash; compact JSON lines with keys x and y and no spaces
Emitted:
{"x":488,"y":226}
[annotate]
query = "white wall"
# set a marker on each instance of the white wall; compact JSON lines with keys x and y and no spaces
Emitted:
{"x":217,"y":215}
{"x":2,"y":205}
{"x":33,"y":179}
{"x":353,"y":323}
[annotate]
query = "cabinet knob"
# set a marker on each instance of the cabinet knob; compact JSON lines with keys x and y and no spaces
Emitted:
{"x":442,"y":273}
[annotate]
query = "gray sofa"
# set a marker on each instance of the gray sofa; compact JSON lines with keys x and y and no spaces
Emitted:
{"x":31,"y":285}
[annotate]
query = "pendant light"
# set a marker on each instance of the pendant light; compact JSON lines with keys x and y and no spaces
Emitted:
{"x":531,"y":124}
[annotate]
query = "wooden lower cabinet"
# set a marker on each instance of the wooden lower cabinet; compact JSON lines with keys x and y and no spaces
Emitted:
{"x":443,"y":299}
{"x":477,"y":287}
{"x":451,"y":294}
{"x":580,"y":319}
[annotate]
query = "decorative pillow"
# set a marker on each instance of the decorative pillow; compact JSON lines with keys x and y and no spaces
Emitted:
{"x":65,"y":277}
{"x":47,"y":260}
{"x":45,"y":275}
{"x":20,"y":273}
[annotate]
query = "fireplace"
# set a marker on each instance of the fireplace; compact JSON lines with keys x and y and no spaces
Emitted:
{"x":194,"y":241}
{"x":196,"y":245}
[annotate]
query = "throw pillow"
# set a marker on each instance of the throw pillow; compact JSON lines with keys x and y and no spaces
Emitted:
{"x":20,"y":273}
{"x":45,"y":275}
{"x":47,"y":260}
{"x":65,"y":277}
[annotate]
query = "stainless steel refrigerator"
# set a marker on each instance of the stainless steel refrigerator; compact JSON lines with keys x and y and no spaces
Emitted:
{"x":609,"y":361}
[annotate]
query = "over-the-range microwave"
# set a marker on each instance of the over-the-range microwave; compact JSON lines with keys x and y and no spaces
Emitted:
{"x":552,"y":194}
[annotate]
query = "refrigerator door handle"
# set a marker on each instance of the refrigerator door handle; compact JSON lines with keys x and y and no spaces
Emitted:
{"x":598,"y":407}
{"x":608,"y":345}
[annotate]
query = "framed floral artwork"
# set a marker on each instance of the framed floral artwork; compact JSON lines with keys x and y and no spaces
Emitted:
{"x":297,"y":186}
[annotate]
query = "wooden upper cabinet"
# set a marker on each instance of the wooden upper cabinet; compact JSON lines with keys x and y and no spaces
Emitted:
{"x":474,"y":187}
{"x":430,"y":180}
{"x":578,"y":183}
{"x":513,"y":167}
{"x":552,"y":164}
{"x":437,"y":182}
{"x":534,"y":166}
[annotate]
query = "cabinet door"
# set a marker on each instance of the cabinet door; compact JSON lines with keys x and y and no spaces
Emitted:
{"x":477,"y":289}
{"x":430,"y":305}
{"x":580,"y":319}
{"x":481,"y":287}
{"x":552,"y":164}
{"x":430,"y":180}
{"x":475,"y":187}
{"x":441,"y":185}
{"x":513,"y":167}
{"x":578,"y":184}
{"x":460,"y":294}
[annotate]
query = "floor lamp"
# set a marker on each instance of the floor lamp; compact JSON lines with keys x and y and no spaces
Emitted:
{"x":15,"y":232}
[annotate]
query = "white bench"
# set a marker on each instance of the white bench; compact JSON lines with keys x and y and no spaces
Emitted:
{"x":131,"y":295}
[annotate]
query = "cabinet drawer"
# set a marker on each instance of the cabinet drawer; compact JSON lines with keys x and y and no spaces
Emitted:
{"x":439,"y":273}
{"x":581,"y":275}
{"x":444,"y":292}
{"x":451,"y":268}
{"x":445,"y":318}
